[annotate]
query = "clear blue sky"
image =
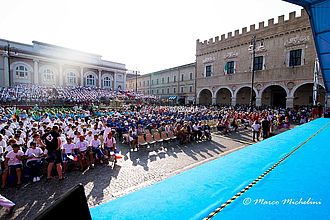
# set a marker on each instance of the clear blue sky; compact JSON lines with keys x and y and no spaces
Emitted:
{"x":147,"y":35}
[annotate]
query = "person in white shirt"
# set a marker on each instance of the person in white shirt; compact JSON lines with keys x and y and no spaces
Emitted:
{"x":33,"y":156}
{"x":68,"y":152}
{"x":89,"y":137}
{"x":107,"y":130}
{"x":256,"y":130}
{"x":13,"y":124}
{"x":8,"y":132}
{"x":95,"y":130}
{"x":1,"y":156}
{"x":110,"y":146}
{"x":13,"y":163}
{"x":76,"y":137}
{"x":69,"y":132}
{"x":3,"y":143}
{"x":46,"y":119}
{"x":83,"y":152}
{"x":96,"y":148}
{"x":19,"y":140}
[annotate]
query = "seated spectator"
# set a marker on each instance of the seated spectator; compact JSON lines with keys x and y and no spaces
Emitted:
{"x":84,"y":154}
{"x":68,"y":153}
{"x":34,"y":155}
{"x":13,"y":164}
{"x":110,"y":147}
{"x":96,"y":149}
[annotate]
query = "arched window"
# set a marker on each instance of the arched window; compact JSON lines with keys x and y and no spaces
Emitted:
{"x":90,"y":80}
{"x":72,"y":78}
{"x":21,"y":72}
{"x":48,"y":75}
{"x":107,"y":82}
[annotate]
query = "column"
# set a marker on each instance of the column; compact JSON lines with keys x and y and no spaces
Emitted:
{"x":289,"y":102}
{"x":6,"y":70}
{"x":100,"y":79}
{"x":36,"y":72}
{"x":115,"y":81}
{"x":81,"y":76}
{"x":60,"y":74}
{"x":233,"y":101}
{"x":124,"y":86}
{"x":258,"y":101}
{"x":214,"y":100}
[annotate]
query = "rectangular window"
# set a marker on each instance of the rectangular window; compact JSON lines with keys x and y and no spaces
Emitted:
{"x":208,"y":70}
{"x":191,"y":76}
{"x":148,"y":82}
{"x":258,"y":63}
{"x":174,"y":90}
{"x":168,"y":79}
{"x":174,"y":78}
{"x":190,"y":88}
{"x":157,"y":91}
{"x":152,"y":91}
{"x":162,"y":80}
{"x":168,"y":91}
{"x":162,"y":91}
{"x":152,"y":82}
{"x":182,"y":89}
{"x":230,"y":67}
{"x":295,"y":57}
{"x":157,"y":81}
{"x":182,"y":77}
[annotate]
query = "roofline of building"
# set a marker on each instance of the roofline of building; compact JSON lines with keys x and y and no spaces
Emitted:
{"x":169,"y":69}
{"x":64,"y":48}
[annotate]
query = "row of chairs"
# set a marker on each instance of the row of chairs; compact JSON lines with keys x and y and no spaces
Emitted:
{"x":156,"y":137}
{"x":214,"y":122}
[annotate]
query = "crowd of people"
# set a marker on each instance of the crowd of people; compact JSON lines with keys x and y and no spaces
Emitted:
{"x":23,"y":93}
{"x":80,"y":138}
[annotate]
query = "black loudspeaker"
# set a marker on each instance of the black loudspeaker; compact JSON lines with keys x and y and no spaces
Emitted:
{"x":327,"y":114}
{"x":71,"y":205}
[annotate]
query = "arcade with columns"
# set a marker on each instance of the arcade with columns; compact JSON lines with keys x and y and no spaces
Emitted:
{"x":49,"y":65}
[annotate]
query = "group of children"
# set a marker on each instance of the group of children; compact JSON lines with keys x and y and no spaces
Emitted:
{"x":80,"y":152}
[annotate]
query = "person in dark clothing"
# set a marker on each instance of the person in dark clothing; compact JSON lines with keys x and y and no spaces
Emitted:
{"x":319,"y":109}
{"x":53,"y":144}
{"x":265,"y":125}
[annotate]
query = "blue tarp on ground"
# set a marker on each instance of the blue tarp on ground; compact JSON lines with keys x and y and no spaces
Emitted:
{"x":297,"y":189}
{"x":319,"y":13}
{"x":197,"y":192}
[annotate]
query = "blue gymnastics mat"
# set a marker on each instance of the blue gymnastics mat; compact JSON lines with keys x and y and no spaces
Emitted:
{"x":195,"y":193}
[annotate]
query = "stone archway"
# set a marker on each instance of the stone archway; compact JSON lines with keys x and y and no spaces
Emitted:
{"x":243,"y":96}
{"x":303,"y":95}
{"x":274,"y":96}
{"x":223,"y":97}
{"x":205,"y":97}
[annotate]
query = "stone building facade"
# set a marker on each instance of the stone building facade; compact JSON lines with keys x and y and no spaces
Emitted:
{"x":284,"y":65}
{"x":173,"y":86}
{"x":49,"y":65}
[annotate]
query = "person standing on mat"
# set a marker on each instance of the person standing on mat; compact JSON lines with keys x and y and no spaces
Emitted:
{"x":7,"y":204}
{"x":53,"y":143}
